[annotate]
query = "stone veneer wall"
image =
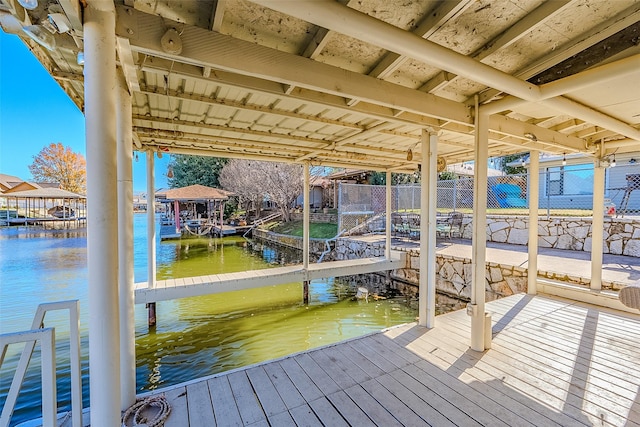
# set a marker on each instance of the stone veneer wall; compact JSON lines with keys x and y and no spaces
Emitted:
{"x":316,"y":217}
{"x":621,"y":235}
{"x":454,"y":273}
{"x":316,"y":246}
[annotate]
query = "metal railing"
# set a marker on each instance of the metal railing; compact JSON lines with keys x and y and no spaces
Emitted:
{"x":46,"y":336}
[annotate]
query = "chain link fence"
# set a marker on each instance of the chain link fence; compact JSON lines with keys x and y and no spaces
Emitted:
{"x":564,"y":190}
{"x":623,"y":189}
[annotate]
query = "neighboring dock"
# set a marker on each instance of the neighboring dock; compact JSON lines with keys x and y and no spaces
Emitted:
{"x":229,"y":230}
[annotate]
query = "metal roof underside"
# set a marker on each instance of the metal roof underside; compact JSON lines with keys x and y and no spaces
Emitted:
{"x":354,"y":83}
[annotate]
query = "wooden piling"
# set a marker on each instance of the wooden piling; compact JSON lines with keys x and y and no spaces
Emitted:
{"x":305,"y":292}
{"x":152,"y":314}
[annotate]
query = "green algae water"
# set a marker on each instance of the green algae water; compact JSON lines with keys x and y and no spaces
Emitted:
{"x":194,"y":337}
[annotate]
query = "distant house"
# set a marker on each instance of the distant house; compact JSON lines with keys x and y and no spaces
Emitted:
{"x":11,"y":184}
{"x":566,"y":181}
{"x":319,"y":194}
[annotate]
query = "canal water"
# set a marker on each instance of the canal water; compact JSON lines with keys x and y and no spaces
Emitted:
{"x":194,"y":337}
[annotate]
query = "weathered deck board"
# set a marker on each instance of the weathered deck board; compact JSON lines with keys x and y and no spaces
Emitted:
{"x":199,"y":404}
{"x":177,"y":398}
{"x":553,"y":362}
{"x":326,"y":413}
{"x":250,"y":408}
{"x":224,"y":404}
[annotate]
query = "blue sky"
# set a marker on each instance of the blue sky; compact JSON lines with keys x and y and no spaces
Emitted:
{"x":35,"y":111}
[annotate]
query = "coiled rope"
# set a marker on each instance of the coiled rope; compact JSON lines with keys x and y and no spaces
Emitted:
{"x":140,"y":420}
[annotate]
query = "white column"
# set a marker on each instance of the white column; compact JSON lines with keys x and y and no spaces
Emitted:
{"x":125,"y":246}
{"x":479,"y":238}
{"x":102,"y":211}
{"x":428,"y":201}
{"x":387,"y":246}
{"x":151,"y":220}
{"x":597,"y":226}
{"x":534,"y":196}
{"x":305,"y":218}
{"x":176,"y":216}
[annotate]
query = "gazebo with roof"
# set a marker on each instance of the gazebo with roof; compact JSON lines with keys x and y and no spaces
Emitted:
{"x":189,"y":205}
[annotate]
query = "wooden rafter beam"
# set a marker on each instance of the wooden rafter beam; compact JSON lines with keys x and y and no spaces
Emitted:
{"x":206,"y":48}
{"x":528,"y":23}
{"x":432,"y":21}
{"x":600,"y":32}
{"x":125,"y":55}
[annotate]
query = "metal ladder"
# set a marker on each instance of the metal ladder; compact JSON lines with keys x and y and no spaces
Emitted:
{"x":633,"y":183}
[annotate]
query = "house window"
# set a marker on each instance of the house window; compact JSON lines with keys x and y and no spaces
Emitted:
{"x":555,"y":180}
{"x":570,"y":180}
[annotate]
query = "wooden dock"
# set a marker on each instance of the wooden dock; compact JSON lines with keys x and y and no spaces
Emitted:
{"x":553,"y":362}
{"x":168,"y":232}
{"x":217,"y":283}
{"x":229,"y":230}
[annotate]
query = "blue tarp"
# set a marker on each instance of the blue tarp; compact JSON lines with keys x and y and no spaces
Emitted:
{"x":509,"y":196}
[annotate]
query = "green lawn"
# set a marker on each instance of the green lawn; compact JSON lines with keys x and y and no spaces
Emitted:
{"x":316,"y":230}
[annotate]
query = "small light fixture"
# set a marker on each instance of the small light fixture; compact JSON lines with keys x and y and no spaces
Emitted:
{"x":409,"y":155}
{"x":564,"y":159}
{"x":531,"y":136}
{"x":28,"y":4}
{"x":170,"y":172}
{"x":613,"y":161}
{"x":136,"y":157}
{"x":524,"y":163}
{"x":632,"y":161}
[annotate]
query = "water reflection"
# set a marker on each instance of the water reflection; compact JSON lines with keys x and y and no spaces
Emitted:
{"x":194,"y":336}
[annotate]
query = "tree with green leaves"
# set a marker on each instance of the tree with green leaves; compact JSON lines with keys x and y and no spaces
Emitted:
{"x":513,"y":170}
{"x":380,"y":178}
{"x":59,"y":164}
{"x":447,"y":176}
{"x":189,"y":170}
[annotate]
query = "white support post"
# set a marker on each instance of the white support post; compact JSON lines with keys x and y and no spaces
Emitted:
{"x":387,"y":246}
{"x":597,"y":226}
{"x":479,"y":238}
{"x":151,"y":221}
{"x":125,"y":246}
{"x":305,"y":218}
{"x":534,"y":198}
{"x":428,"y":200}
{"x":48,"y":372}
{"x":102,"y":209}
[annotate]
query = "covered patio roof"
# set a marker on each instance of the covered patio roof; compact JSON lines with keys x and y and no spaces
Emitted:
{"x":345,"y":83}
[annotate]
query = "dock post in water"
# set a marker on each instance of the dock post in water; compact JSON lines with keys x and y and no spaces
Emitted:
{"x":152,"y":314}
{"x":305,"y":292}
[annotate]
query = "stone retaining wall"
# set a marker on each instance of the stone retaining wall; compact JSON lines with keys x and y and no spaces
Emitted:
{"x":621,"y":235}
{"x":317,"y":217}
{"x":453,"y":274}
{"x":316,"y":246}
